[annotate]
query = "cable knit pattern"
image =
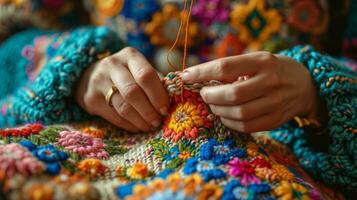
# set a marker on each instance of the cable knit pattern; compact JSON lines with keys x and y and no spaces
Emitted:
{"x":338,"y":88}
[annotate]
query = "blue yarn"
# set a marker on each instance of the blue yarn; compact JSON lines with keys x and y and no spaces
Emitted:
{"x":139,"y":10}
{"x":125,"y":190}
{"x":338,"y":165}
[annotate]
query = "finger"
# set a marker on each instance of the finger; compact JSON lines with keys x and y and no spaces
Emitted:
{"x":133,"y":94}
{"x":262,"y":123}
{"x":126,"y":111}
{"x":112,"y":116}
{"x":147,"y":78}
{"x":249,"y":110}
{"x":238,"y":92}
{"x":228,"y":69}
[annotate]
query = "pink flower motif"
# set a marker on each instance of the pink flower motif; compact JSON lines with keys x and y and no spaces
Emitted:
{"x":15,"y":159}
{"x":82,"y":144}
{"x":244,"y":170}
{"x":209,"y":11}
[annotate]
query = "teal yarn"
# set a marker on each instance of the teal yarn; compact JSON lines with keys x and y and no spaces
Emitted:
{"x":338,"y":88}
{"x":48,"y":99}
{"x":12,"y":62}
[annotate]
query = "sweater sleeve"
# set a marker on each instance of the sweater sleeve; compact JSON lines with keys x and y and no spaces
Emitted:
{"x":336,"y":162}
{"x":47,"y":97}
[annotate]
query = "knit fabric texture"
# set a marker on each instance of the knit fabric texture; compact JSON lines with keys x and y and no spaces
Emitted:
{"x":47,"y":98}
{"x":193,"y":156}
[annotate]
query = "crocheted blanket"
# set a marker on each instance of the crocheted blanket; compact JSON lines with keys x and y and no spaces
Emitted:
{"x":192,"y":156}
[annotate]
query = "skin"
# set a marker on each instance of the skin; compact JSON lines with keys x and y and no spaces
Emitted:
{"x":278,"y":88}
{"x":141,"y":99}
{"x":261,"y":91}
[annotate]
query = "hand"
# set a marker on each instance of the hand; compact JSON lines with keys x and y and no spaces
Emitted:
{"x":278,"y":88}
{"x":141,"y":97}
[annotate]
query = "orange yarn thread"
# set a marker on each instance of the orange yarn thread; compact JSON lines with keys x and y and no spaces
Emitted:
{"x":186,"y":21}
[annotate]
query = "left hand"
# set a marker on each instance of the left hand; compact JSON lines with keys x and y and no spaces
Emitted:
{"x":278,"y":88}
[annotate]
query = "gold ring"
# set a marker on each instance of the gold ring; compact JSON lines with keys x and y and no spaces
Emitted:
{"x":109,"y":96}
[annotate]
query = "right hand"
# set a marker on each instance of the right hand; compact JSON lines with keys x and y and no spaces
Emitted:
{"x":141,"y":97}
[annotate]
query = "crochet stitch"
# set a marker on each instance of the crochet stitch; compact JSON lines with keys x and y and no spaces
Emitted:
{"x":216,"y":163}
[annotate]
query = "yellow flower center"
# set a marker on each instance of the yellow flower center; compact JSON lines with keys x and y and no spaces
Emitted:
{"x":185,"y":155}
{"x":138,"y":171}
{"x":185,"y":117}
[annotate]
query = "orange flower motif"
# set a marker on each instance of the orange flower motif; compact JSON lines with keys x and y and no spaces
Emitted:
{"x":210,"y":191}
{"x":164,"y":26}
{"x":192,"y":185}
{"x":283,"y":173}
{"x":306,"y":16}
{"x":255,"y":23}
{"x":40,"y":191}
{"x":138,"y":171}
{"x":92,"y":167}
{"x":267,"y":174}
{"x":93,"y":131}
{"x":186,"y":119}
{"x":290,"y":190}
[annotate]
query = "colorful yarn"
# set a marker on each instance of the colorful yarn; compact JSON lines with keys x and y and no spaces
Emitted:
{"x":30,"y":129}
{"x":47,"y":154}
{"x":83,"y":145}
{"x":15,"y":160}
{"x":218,"y":163}
{"x":255,"y":23}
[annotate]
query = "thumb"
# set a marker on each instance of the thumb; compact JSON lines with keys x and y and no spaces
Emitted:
{"x":224,"y":69}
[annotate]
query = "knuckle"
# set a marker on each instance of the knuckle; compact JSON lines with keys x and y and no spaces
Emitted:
{"x":233,"y":95}
{"x":108,"y":61}
{"x":129,"y":51}
{"x":130,"y":92}
{"x":221,"y":68}
{"x":267,"y":57}
{"x":242,"y":113}
{"x":97,"y":77}
{"x":124,"y":109}
{"x":145,"y":76}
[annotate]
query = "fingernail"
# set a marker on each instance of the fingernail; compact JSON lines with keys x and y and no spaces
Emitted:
{"x":155,"y":123}
{"x":185,"y":75}
{"x":163,"y":111}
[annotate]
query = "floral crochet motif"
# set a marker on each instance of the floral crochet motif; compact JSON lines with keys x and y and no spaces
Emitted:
{"x":164,"y":26}
{"x":16,"y":159}
{"x":83,"y":145}
{"x":186,"y":119}
{"x":244,"y":170}
{"x":254,"y":22}
{"x":92,"y":168}
{"x":209,"y":11}
{"x":47,"y":154}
